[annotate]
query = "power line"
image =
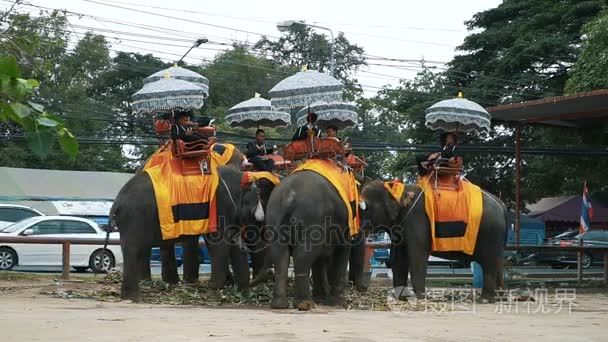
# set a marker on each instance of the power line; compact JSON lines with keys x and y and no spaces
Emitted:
{"x":178,"y":18}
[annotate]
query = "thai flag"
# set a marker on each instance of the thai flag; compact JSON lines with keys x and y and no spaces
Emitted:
{"x":586,"y":211}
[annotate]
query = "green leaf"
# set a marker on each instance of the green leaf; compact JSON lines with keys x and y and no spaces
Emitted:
{"x":47,"y":122}
{"x":20,"y":109}
{"x":36,"y":106}
{"x":40,"y":142}
{"x":68,"y":143}
{"x":9,"y":66}
{"x":5,"y":111}
{"x":32,"y":84}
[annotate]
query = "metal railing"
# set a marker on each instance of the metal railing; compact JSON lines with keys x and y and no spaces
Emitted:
{"x":370,"y":246}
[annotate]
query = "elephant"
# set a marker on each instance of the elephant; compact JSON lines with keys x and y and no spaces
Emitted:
{"x":135,"y":214}
{"x":190,"y":246}
{"x":307,"y":219}
{"x":410,"y":232}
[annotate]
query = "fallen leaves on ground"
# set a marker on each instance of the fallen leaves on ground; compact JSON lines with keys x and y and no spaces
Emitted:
{"x":158,"y":292}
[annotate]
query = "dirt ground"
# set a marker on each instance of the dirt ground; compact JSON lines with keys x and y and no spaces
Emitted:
{"x":28,"y":313}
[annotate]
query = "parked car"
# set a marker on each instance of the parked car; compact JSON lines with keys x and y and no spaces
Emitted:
{"x":11,"y":213}
{"x":567,"y":235}
{"x":203,"y":256}
{"x":383,"y":255}
{"x":82,"y":257}
{"x":560,"y":259}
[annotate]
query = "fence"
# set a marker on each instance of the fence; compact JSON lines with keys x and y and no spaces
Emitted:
{"x":370,"y":246}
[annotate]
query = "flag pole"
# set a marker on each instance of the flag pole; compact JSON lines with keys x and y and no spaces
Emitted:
{"x":581,"y":230}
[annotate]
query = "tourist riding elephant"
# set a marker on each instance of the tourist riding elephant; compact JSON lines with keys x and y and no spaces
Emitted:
{"x":411,"y":235}
{"x":308,"y":220}
{"x":135,"y":214}
{"x":190,"y":247}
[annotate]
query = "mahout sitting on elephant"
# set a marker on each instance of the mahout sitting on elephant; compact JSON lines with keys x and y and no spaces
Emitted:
{"x":410,"y":227}
{"x":136,"y":215}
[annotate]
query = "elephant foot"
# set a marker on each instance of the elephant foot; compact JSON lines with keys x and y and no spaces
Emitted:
{"x":487,"y":297}
{"x":335,"y":301}
{"x":304,"y":305}
{"x":216,"y":285}
{"x":279,"y":303}
{"x":133,"y":294}
{"x":319,"y":299}
{"x":171,"y":280}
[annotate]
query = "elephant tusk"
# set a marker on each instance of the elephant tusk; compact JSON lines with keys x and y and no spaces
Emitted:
{"x":362,"y":205}
{"x":259,"y":212}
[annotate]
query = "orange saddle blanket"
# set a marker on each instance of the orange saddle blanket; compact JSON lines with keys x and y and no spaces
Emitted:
{"x":454,"y":215}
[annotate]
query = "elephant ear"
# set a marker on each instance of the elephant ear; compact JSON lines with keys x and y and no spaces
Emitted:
{"x":391,"y":206}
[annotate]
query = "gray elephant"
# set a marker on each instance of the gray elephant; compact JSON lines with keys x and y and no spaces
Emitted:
{"x":410,"y":232}
{"x":135,"y":214}
{"x":307,"y":219}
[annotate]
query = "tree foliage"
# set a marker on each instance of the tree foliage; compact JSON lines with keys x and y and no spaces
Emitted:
{"x":591,"y":69}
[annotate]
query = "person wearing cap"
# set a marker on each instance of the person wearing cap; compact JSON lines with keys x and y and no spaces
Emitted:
{"x":309,"y":129}
{"x":256,"y":151}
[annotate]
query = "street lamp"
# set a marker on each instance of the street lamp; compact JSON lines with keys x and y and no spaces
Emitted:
{"x":196,"y":44}
{"x":284,"y":26}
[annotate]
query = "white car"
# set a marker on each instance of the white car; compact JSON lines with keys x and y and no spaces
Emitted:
{"x":11,"y":213}
{"x":82,"y":257}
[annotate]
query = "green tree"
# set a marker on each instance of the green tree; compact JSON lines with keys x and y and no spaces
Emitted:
{"x":300,"y":45}
{"x":591,"y":69}
{"x":522,"y":49}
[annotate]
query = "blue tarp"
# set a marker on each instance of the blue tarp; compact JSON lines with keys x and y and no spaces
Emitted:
{"x":532,"y":231}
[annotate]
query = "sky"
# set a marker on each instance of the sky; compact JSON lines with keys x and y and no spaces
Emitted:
{"x":398,"y":29}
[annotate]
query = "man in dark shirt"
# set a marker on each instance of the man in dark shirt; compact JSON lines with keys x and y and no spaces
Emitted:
{"x":182,"y":128}
{"x":448,"y":142}
{"x":256,"y":150}
{"x":310,"y":127}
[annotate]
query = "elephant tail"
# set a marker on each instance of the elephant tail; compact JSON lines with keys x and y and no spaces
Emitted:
{"x":112,"y":224}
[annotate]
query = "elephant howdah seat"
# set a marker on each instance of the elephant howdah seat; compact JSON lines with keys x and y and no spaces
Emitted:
{"x":319,"y":148}
{"x":454,"y":215}
{"x":162,"y":128}
{"x":356,"y":163}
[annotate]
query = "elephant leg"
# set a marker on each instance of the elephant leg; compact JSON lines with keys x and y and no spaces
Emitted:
{"x":302,"y":262}
{"x":168,"y":264}
{"x":336,"y":275}
{"x":399,"y":264}
{"x":418,"y":258}
{"x":146,"y":273}
{"x":488,"y":266}
{"x":191,"y":259}
{"x":280,"y":258}
{"x":240,"y":266}
{"x":320,"y":284}
{"x":131,"y":273}
{"x":218,"y":252}
{"x":357,"y":262}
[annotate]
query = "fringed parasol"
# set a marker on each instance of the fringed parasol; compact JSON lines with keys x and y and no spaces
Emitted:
{"x":305,"y":88}
{"x":339,"y":114}
{"x":256,"y":112}
{"x":457,"y":115}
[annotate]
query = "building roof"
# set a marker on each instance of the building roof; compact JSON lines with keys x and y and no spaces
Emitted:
{"x":576,"y":110}
{"x":37,"y":188}
{"x":566,"y":209}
